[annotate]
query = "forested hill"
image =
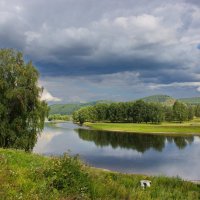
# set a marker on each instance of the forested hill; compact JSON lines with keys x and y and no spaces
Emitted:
{"x":193,"y":100}
{"x":68,"y":109}
{"x":168,"y":100}
{"x":164,"y":99}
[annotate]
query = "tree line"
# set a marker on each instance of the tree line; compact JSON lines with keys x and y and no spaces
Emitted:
{"x":136,"y":112}
{"x":55,"y":117}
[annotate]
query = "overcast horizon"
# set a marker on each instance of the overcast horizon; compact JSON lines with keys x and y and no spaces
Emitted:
{"x":87,"y":50}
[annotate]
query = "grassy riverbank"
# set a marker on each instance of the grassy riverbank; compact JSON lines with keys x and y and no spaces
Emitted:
{"x":30,"y":176}
{"x":191,"y":127}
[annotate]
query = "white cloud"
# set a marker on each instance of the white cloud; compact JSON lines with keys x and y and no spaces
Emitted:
{"x":47,"y":96}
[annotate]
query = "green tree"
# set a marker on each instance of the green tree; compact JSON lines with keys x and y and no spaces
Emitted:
{"x":113,"y":112}
{"x":123,"y":111}
{"x":82,"y":115}
{"x":139,"y":111}
{"x":168,"y":113}
{"x":22,"y":113}
{"x":190,"y":112}
{"x":180,"y":111}
{"x":155,"y":113}
{"x":197,"y":111}
{"x":101,"y":111}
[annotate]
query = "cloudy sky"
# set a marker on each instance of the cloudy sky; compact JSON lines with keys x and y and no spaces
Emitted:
{"x":118,"y":49}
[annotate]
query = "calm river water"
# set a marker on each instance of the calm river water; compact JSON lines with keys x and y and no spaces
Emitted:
{"x":124,"y":152}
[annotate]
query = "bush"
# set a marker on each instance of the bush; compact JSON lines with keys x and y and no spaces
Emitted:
{"x":66,"y":175}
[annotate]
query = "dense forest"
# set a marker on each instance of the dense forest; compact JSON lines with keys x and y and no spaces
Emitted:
{"x":136,"y":112}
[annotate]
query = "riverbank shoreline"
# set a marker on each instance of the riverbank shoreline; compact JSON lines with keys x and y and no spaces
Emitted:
{"x":167,"y":129}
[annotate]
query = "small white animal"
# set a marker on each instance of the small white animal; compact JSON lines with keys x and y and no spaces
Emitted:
{"x":145,"y":183}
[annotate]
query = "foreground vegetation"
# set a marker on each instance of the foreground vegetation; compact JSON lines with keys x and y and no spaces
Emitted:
{"x":29,"y":176}
{"x":191,"y":127}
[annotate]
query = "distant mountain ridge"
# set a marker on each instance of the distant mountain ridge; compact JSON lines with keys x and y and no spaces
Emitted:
{"x":69,"y":108}
{"x":164,"y":99}
{"x":192,"y":100}
{"x":168,"y":100}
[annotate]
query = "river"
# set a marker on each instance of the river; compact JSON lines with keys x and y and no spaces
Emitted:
{"x":124,"y":152}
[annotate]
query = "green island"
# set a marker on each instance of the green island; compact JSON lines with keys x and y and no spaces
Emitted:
{"x":186,"y":128}
{"x":31,"y":176}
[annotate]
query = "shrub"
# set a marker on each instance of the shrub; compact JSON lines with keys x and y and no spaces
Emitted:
{"x":66,"y":175}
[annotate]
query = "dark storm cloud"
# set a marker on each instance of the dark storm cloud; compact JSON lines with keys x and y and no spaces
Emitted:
{"x":11,"y":31}
{"x":147,"y":67}
{"x":159,"y":40}
{"x":197,"y":2}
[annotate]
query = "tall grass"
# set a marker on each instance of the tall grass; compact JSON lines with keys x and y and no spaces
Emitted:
{"x":29,"y":176}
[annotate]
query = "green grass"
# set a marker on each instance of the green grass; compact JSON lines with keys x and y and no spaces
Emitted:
{"x":30,"y":176}
{"x":191,"y":127}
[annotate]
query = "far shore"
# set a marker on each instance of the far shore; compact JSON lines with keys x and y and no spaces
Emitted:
{"x":57,"y":121}
{"x":186,"y":128}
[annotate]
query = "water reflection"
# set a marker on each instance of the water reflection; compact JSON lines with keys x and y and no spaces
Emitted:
{"x":125,"y":152}
{"x":139,"y":142}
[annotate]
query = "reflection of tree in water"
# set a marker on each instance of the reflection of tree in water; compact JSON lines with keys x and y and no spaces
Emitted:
{"x":181,"y":142}
{"x":139,"y":142}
